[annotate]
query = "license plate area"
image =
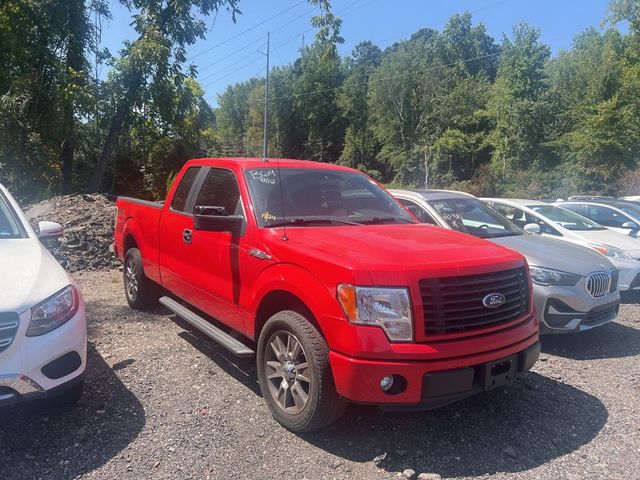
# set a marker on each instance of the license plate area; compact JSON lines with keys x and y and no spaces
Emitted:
{"x":499,"y":373}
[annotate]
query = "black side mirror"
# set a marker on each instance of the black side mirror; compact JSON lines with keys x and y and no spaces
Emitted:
{"x":215,"y":219}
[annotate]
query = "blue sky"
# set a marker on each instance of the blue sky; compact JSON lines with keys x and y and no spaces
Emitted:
{"x":223,"y":59}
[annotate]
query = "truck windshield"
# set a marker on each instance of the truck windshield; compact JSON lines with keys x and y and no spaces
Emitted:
{"x":302,"y":197}
{"x":9,"y":226}
{"x":566,"y":218}
{"x":469,"y":215}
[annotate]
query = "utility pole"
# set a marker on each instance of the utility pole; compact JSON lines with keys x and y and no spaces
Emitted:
{"x":426,"y":169}
{"x":265,"y":127}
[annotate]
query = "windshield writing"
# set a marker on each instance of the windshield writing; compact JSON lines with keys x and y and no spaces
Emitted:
{"x":470,"y":215}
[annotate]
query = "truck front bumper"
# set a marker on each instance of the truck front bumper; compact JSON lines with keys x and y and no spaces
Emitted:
{"x":430,"y":384}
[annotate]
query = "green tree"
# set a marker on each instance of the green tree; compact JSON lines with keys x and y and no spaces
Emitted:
{"x":518,"y":104}
{"x":153,"y":62}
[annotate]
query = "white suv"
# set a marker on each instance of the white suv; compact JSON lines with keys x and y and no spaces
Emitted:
{"x":43,"y":329}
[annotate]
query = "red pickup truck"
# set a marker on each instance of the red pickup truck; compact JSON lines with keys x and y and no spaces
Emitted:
{"x":339,"y":292}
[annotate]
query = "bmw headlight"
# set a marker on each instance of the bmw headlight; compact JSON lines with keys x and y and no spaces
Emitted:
{"x":609,"y":251}
{"x":548,"y":276}
{"x":387,"y":308}
{"x":53,"y":311}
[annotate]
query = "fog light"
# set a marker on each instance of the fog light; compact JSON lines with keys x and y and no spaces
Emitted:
{"x":386,"y":383}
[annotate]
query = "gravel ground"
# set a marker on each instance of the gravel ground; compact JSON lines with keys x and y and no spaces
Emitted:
{"x":163,"y":402}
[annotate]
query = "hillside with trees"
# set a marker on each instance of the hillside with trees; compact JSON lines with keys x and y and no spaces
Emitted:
{"x":453,"y":108}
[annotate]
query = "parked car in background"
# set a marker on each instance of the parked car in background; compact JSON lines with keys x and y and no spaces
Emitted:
{"x":338,"y":291}
{"x":574,"y":287}
{"x":617,"y":215}
{"x":552,"y":221}
{"x":43,"y":331}
{"x":588,"y":197}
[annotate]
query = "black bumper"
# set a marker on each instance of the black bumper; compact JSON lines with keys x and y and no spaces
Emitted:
{"x":442,"y":388}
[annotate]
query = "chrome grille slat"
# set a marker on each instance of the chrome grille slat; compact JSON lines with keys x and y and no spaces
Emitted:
{"x":598,"y":284}
{"x":9,"y":323}
{"x":450,"y":306}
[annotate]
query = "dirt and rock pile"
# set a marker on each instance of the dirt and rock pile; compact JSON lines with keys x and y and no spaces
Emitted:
{"x":88,"y":230}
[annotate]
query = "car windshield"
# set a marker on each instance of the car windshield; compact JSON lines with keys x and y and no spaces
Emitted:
{"x":566,"y":218}
{"x":470,"y":215}
{"x":9,"y":226}
{"x":631,"y":210}
{"x":304,"y":196}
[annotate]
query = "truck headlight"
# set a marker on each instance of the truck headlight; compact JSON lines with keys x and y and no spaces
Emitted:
{"x":53,"y":311}
{"x":387,"y":308}
{"x":610,"y":251}
{"x":548,"y":276}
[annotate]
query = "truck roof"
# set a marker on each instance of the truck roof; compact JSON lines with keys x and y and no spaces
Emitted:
{"x":247,"y":163}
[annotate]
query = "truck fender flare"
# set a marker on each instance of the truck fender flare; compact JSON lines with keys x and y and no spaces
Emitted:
{"x":298,"y":282}
{"x":131,"y":228}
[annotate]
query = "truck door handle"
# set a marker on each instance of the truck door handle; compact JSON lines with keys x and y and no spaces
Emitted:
{"x":186,"y":235}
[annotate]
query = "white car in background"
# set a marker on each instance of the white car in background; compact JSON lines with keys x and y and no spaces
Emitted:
{"x":555,"y":222}
{"x":43,"y":330}
{"x":619,"y":216}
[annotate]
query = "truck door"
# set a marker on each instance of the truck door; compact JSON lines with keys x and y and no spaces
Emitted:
{"x":177,"y":258}
{"x":218,"y":255}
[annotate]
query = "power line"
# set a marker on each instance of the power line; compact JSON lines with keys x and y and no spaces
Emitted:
{"x":253,"y":27}
{"x":275,"y":48}
{"x":260,"y":39}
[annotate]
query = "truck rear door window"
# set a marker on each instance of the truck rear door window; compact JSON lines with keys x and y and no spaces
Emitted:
{"x":179,"y":201}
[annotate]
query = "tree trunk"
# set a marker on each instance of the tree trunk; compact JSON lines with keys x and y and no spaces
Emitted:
{"x":117,"y":123}
{"x":74,"y":63}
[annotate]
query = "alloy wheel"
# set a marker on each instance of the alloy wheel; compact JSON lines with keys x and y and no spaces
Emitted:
{"x":287,"y":372}
{"x":131,"y":280}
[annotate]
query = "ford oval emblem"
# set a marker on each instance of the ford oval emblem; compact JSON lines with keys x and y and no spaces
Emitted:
{"x":493,"y":300}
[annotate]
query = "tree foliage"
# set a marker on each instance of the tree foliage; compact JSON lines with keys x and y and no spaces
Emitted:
{"x":449,"y":108}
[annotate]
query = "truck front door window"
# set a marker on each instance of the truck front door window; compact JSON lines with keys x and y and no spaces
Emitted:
{"x":220,"y":189}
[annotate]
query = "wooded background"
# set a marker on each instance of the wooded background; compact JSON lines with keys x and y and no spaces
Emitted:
{"x":493,"y":117}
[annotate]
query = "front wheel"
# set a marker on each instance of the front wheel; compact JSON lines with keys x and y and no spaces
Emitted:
{"x":294,"y":374}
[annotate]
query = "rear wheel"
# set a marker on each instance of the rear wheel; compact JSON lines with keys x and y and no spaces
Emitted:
{"x":294,"y":373}
{"x":141,"y":292}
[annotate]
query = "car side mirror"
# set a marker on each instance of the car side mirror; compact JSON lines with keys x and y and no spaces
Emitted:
{"x":215,"y":219}
{"x":532,"y":228}
{"x":630,"y":225}
{"x":50,"y":230}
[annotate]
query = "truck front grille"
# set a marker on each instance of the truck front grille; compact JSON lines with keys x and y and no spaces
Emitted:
{"x":8,"y":327}
{"x":457,"y":304}
{"x":598,"y":284}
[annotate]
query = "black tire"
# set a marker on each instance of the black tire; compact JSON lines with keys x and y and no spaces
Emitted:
{"x":141,"y":293}
{"x":322,"y":405}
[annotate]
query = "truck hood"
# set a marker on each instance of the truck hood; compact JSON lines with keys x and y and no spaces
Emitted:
{"x":29,"y":274}
{"x":556,"y":254}
{"x":419,"y":248}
